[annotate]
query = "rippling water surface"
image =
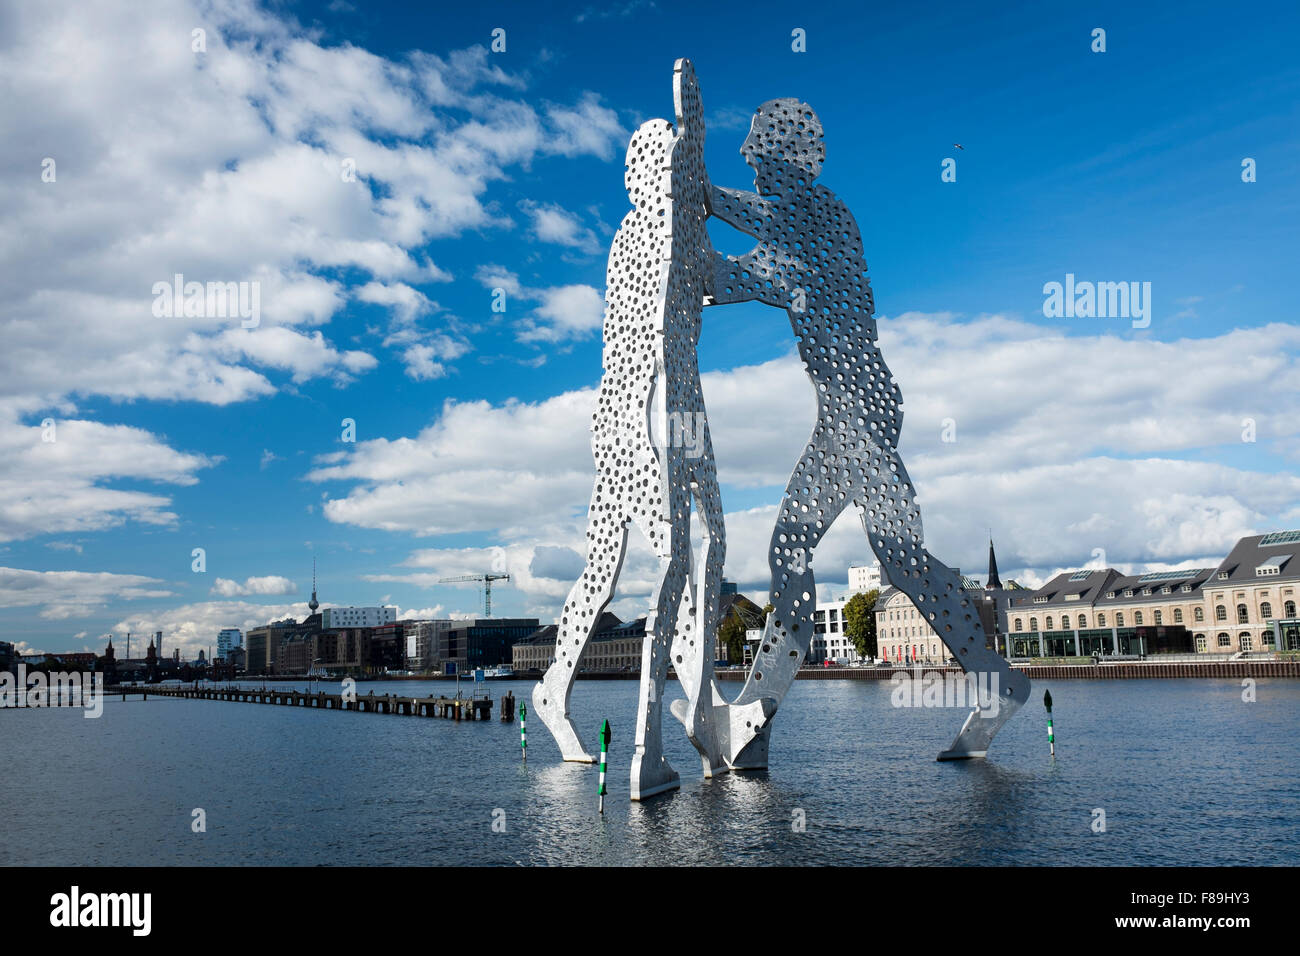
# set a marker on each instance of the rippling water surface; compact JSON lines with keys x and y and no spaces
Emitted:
{"x":1186,"y":772}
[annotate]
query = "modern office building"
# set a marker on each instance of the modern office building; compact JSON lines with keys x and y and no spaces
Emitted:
{"x":335,"y":617}
{"x":263,"y":646}
{"x":484,"y":642}
{"x":422,"y":642}
{"x":227,"y":639}
{"x":829,"y":640}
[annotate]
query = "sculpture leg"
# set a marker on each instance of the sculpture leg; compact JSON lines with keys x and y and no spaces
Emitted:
{"x":651,"y":771}
{"x":705,"y":712}
{"x":893,"y":524}
{"x":806,"y":513}
{"x":607,"y":537}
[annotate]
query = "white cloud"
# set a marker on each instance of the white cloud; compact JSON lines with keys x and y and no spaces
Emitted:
{"x":1064,"y":444}
{"x":49,"y":487}
{"x":424,"y":360}
{"x":270,"y":584}
{"x":71,"y":594}
{"x":193,"y":627}
{"x":563,"y":313}
{"x":553,"y":223}
{"x":420,"y":614}
{"x":270,"y":158}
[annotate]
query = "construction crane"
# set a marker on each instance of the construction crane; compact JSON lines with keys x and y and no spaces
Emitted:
{"x":484,"y":579}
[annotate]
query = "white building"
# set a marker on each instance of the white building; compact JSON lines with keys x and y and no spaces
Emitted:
{"x":863,"y":578}
{"x":829,"y":640}
{"x":333,"y":618}
{"x":228,"y":640}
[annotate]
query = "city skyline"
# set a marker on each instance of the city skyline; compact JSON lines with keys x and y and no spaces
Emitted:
{"x":477,"y":170}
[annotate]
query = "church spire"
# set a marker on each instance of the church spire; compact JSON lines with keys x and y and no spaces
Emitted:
{"x":995,"y":583}
{"x":313,"y":603}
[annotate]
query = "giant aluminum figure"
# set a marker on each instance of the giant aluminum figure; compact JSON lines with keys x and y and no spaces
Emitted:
{"x":809,"y":262}
{"x":653,"y":455}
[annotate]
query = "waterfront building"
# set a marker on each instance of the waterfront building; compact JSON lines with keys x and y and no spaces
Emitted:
{"x":263,"y":645}
{"x":336,"y":617}
{"x":482,"y":642}
{"x":614,"y":646}
{"x":422,"y":642}
{"x":829,"y":640}
{"x":905,"y":636}
{"x":830,"y":643}
{"x":386,"y":647}
{"x":1246,"y":603}
{"x":227,"y":639}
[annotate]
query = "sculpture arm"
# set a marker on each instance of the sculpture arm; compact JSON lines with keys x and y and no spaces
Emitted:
{"x":735,"y":279}
{"x":737,"y":208}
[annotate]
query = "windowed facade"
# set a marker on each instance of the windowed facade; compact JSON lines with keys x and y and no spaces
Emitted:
{"x":1077,"y":612}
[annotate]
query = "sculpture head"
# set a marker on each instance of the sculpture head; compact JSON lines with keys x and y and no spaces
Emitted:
{"x":784,"y":142}
{"x":647,"y":171}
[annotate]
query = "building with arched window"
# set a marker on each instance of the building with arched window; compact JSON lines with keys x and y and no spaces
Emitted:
{"x":1258,"y":576}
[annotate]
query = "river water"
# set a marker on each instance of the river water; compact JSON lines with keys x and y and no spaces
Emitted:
{"x":1185,"y":771}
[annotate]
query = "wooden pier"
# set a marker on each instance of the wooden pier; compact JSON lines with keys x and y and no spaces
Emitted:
{"x":452,"y":708}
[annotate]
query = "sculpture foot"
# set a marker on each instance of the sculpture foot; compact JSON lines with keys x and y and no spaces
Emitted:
{"x":547,"y":706}
{"x":750,"y":725}
{"x":983,"y":723}
{"x":652,"y":775}
{"x":703,"y":739}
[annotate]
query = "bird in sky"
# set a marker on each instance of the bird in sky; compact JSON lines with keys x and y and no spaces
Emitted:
{"x":959,"y":145}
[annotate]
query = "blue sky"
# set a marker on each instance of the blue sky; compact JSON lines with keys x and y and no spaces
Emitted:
{"x":479,"y":170}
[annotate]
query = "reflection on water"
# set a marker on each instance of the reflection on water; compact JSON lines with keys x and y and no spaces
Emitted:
{"x":1185,"y":771}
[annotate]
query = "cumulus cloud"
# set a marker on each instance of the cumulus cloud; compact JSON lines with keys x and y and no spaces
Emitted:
{"x":1063,"y":444}
{"x":553,"y":223}
{"x":56,"y":476}
{"x":270,"y":584}
{"x":322,"y":159}
{"x":562,"y":314}
{"x":71,"y":594}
